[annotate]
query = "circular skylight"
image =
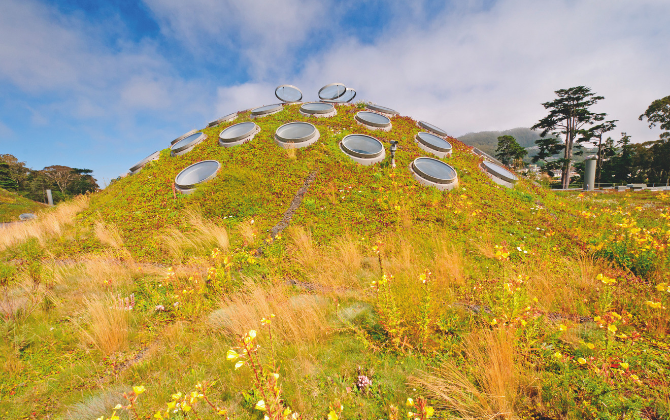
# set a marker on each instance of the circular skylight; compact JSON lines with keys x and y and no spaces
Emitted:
{"x":187,"y":143}
{"x":363,"y":149}
{"x":139,"y":165}
{"x":348,"y":95}
{"x":27,"y":216}
{"x":288,"y":93}
{"x":266,"y":110}
{"x":373,"y":120}
{"x":433,"y":144}
{"x":196,"y":174}
{"x":229,"y":117}
{"x":332,"y":91}
{"x":296,"y":134}
{"x":238,"y":134}
{"x":498,"y":171}
{"x":433,"y":129}
{"x":382,"y":109}
{"x":183,"y":136}
{"x":318,"y":109}
{"x":435,"y":173}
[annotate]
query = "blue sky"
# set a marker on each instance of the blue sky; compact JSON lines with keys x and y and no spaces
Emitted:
{"x":101,"y":85}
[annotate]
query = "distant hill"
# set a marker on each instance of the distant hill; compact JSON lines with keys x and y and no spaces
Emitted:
{"x":487,"y":141}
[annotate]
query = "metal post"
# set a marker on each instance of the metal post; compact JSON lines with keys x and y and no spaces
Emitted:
{"x":589,"y":174}
{"x":50,"y":198}
{"x":394,"y":147}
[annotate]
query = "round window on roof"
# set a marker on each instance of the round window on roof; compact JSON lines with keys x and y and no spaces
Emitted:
{"x":139,"y":165}
{"x":266,"y":110}
{"x":499,"y":174}
{"x":186,"y":181}
{"x":332,"y":91}
{"x":433,"y":129}
{"x":433,"y":144}
{"x":296,"y":135}
{"x":363,"y":149}
{"x":229,"y":117}
{"x":348,"y":95}
{"x":238,"y":134}
{"x":183,"y":136}
{"x":434,"y":173}
{"x":288,"y":93}
{"x":382,"y":109}
{"x":373,"y":120}
{"x":318,"y":109}
{"x":187,"y":144}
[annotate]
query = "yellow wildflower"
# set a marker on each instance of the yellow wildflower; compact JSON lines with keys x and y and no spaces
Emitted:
{"x":410,"y":402}
{"x":260,"y":405}
{"x":138,"y":390}
{"x":624,"y":365}
{"x":232,"y":355}
{"x":651,"y":304}
{"x":581,"y":360}
{"x":612,"y":328}
{"x":590,"y":345}
{"x":558,"y":355}
{"x":562,"y":327}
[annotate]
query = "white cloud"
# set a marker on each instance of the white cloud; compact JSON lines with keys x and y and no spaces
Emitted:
{"x":260,"y":31}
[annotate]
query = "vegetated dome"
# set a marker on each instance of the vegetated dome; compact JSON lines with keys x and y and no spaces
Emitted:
{"x":139,"y":165}
{"x":382,"y":109}
{"x":499,"y":172}
{"x":363,"y":149}
{"x":433,"y":144}
{"x":296,"y":134}
{"x":288,"y":93}
{"x":346,"y":97}
{"x":266,"y":110}
{"x":187,"y":143}
{"x":238,"y":134}
{"x":374,"y":120}
{"x":318,"y":109}
{"x":433,"y":129}
{"x":433,"y":172}
{"x":332,"y":91}
{"x":195,"y":174}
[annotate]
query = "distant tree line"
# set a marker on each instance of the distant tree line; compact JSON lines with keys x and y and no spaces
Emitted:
{"x":572,"y":124}
{"x":63,"y":181}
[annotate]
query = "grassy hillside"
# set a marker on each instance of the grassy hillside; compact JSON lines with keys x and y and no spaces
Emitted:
{"x":12,"y":205}
{"x":381,"y":298}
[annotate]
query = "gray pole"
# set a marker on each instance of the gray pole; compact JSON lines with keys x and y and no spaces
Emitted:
{"x":50,"y":198}
{"x":590,"y":174}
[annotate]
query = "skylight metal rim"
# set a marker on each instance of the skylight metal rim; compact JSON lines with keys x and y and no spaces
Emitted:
{"x":435,"y":129}
{"x":191,"y":187}
{"x":494,"y":172}
{"x":183,"y":136}
{"x":288,"y":102}
{"x":226,"y":118}
{"x":186,"y":148}
{"x":332,"y":84}
{"x":249,"y":133}
{"x":378,"y":108}
{"x":139,"y":165}
{"x":372,"y":124}
{"x":350,"y":152}
{"x":430,"y":146}
{"x":301,"y":139}
{"x":337,"y":101}
{"x":280,"y":107}
{"x":432,"y":178}
{"x":332,"y":108}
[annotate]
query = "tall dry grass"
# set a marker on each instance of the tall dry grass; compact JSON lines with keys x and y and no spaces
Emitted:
{"x":204,"y":234}
{"x":108,"y":234}
{"x":48,"y":223}
{"x":493,"y":387}
{"x":298,"y":318}
{"x":108,"y":325}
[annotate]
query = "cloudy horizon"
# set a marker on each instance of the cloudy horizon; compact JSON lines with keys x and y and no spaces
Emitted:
{"x":101,"y":86}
